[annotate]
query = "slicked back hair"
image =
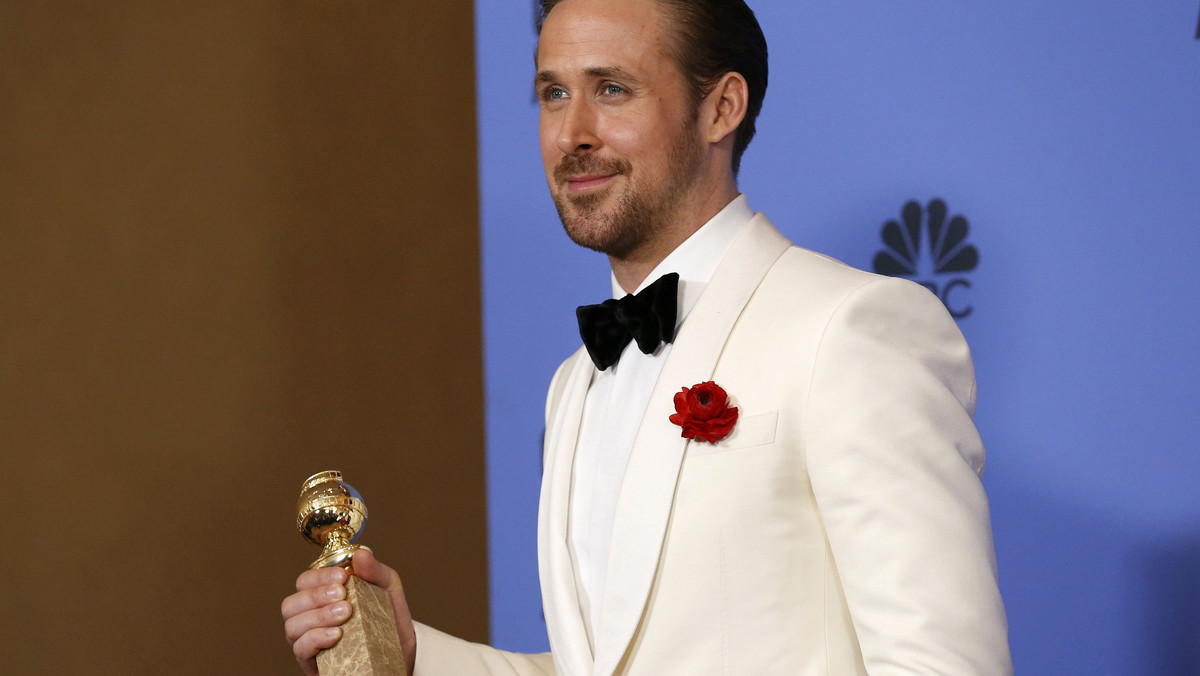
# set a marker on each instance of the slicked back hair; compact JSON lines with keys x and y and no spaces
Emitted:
{"x":709,"y":39}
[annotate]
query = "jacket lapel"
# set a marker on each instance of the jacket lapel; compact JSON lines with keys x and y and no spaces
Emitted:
{"x":648,"y":489}
{"x":564,"y":622}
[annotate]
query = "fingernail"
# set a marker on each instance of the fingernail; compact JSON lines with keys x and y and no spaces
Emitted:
{"x":335,"y":593}
{"x":341,"y":610}
{"x":333,"y":632}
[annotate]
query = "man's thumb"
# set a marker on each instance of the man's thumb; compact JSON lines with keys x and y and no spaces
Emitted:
{"x":367,"y":567}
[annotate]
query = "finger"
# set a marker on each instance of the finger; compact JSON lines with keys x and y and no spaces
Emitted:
{"x":308,"y":599}
{"x":320,"y":577}
{"x":331,"y":616}
{"x":368,"y":568}
{"x":314,"y":641}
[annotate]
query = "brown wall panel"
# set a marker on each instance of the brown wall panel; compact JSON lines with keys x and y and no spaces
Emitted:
{"x":238,"y":245}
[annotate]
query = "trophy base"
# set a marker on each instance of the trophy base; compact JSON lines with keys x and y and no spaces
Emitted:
{"x":370,"y":644}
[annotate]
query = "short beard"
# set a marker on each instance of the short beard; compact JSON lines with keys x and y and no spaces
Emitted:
{"x":634,"y":219}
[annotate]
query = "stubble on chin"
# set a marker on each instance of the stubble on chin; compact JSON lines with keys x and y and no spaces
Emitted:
{"x":619,"y":223}
{"x":612,"y":224}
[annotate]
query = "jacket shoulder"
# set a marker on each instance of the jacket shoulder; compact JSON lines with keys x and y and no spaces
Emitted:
{"x":817,"y":280}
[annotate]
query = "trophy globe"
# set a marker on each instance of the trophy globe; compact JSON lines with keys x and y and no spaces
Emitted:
{"x":331,"y":515}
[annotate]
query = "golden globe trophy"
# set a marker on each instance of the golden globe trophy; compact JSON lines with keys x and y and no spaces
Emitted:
{"x":330,"y":514}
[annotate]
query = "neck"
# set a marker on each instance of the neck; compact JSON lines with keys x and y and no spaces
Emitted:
{"x":631,"y":270}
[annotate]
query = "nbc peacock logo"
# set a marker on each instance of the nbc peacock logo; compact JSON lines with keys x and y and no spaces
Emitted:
{"x":926,"y":248}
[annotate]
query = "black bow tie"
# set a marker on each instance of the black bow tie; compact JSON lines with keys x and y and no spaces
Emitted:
{"x":648,"y":318}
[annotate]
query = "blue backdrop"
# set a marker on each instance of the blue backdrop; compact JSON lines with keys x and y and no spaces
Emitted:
{"x":1066,"y":136}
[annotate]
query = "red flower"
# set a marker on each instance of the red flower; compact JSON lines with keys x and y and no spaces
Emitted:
{"x":703,"y":412}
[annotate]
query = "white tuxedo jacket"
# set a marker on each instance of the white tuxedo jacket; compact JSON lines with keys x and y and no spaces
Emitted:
{"x":840,"y":529}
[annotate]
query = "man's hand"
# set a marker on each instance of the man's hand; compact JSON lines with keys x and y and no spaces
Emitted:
{"x":314,"y":614}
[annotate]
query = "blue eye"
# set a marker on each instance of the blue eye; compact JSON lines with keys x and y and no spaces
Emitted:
{"x":553,"y":94}
{"x":613,"y":90}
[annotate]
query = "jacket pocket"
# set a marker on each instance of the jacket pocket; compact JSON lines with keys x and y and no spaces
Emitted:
{"x":749,"y":431}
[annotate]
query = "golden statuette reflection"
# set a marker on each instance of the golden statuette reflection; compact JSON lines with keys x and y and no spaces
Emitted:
{"x":331,"y":514}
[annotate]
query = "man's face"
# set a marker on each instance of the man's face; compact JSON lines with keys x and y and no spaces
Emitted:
{"x":618,"y":134}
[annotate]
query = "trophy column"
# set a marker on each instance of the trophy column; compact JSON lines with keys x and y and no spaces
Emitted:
{"x":331,"y":514}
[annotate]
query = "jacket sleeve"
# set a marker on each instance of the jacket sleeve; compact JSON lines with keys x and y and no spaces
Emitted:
{"x":439,"y":654}
{"x":895,"y":461}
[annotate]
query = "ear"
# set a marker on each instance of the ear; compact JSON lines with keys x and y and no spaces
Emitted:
{"x":725,"y":107}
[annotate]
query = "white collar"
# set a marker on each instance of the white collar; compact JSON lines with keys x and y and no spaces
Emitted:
{"x":697,"y":258}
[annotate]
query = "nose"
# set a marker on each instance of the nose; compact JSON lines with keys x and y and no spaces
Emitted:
{"x":577,"y":129}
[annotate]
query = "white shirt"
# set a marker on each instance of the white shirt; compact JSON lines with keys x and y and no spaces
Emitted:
{"x":616,"y":401}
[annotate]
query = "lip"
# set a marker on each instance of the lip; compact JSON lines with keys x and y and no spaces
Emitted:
{"x":586,"y":183}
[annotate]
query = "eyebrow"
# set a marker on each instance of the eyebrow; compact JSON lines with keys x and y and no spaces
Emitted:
{"x":595,"y":72}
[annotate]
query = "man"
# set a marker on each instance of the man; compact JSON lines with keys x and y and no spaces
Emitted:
{"x":833,"y":524}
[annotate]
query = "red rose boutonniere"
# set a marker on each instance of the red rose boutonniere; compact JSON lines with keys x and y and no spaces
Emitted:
{"x":703,"y":412}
